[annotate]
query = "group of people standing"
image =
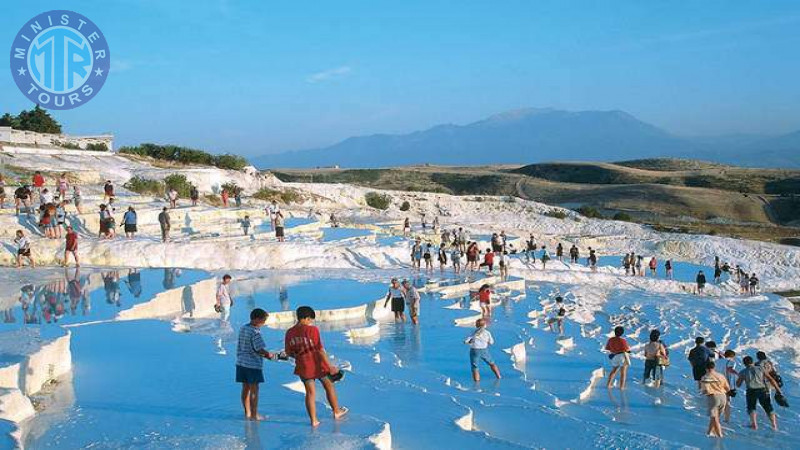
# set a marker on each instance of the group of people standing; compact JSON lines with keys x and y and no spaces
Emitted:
{"x":759,"y":376}
{"x":635,"y":266}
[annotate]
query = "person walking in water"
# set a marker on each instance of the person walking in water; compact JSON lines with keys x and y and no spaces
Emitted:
{"x":455,"y":255}
{"x":699,"y":355}
{"x":416,"y":254}
{"x":250,"y":351}
{"x":668,"y":269}
{"x":757,"y":382}
{"x":485,"y":300}
{"x":701,"y":282}
{"x":224,"y":301}
{"x":413,"y":299}
{"x":164,"y":222}
{"x":23,"y":249}
{"x":655,"y":353}
{"x":71,"y":247}
{"x":731,"y":374}
{"x":715,"y":387}
{"x":618,"y":349}
{"x":396,"y":296}
{"x":129,"y":221}
{"x":442,"y":257}
{"x":303,"y":343}
{"x":479,"y":342}
{"x":279,"y":227}
{"x":428,"y":257}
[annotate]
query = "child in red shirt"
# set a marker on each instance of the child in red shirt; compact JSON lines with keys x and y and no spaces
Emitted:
{"x":485,"y":300}
{"x":488,"y":260}
{"x":303,"y":343}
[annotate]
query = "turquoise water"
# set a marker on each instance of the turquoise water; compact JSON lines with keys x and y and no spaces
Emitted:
{"x":139,"y":384}
{"x":320,"y":294}
{"x":77,"y":296}
{"x":338,"y":234}
{"x":682,"y":271}
{"x":289,"y":222}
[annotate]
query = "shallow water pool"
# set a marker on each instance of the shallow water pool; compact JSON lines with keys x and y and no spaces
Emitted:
{"x":142,"y":384}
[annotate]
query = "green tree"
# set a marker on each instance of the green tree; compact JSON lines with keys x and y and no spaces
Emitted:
{"x":38,"y":120}
{"x":7,"y":120}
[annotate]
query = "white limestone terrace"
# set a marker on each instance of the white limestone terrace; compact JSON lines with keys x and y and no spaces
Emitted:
{"x":203,"y":231}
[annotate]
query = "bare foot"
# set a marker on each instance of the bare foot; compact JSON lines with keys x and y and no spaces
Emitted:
{"x":315,"y":424}
{"x":341,"y":413}
{"x":257,"y":418}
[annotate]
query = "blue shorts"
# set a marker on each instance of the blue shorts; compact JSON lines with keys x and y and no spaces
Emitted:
{"x":248,"y":375}
{"x":477,"y":354}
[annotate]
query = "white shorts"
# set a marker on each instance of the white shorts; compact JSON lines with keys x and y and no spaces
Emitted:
{"x":620,"y":359}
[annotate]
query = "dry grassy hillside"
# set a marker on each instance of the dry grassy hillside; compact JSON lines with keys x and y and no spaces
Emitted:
{"x":762,"y":203}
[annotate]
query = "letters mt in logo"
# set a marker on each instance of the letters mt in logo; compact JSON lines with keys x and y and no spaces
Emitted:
{"x":60,"y":59}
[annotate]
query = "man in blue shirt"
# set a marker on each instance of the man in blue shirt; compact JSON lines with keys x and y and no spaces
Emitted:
{"x":250,"y":351}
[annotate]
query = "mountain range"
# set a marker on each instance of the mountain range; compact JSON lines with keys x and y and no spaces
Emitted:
{"x":532,"y":135}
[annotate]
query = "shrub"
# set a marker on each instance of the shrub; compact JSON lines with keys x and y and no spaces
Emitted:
{"x":97,"y":147}
{"x":67,"y":145}
{"x":179,"y":183}
{"x":231,"y":187}
{"x":378,"y":201}
{"x":556,"y":213}
{"x":625,"y":217}
{"x":286,"y":196}
{"x":186,"y":155}
{"x":231,"y":162}
{"x":590,"y":211}
{"x":213,"y":200}
{"x":405,"y":206}
{"x":145,"y":186}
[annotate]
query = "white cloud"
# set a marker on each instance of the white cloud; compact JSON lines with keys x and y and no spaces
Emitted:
{"x":329,"y":74}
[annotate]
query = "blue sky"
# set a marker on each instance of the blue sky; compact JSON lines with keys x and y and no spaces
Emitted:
{"x":263,"y":76}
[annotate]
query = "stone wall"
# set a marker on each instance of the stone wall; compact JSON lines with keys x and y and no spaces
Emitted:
{"x":20,"y":137}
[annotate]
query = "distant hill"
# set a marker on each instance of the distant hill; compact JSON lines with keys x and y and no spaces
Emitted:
{"x":534,"y":135}
{"x":751,"y":201}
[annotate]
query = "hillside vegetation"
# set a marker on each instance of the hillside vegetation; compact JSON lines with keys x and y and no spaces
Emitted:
{"x":670,"y":172}
{"x":692,"y":194}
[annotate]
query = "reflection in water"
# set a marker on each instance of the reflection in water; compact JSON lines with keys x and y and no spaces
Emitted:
{"x":134,"y":282}
{"x":169,"y":277}
{"x":111,"y":286}
{"x":187,"y":302}
{"x":252,"y":435}
{"x":76,"y":288}
{"x":79,"y":294}
{"x":283,"y":297}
